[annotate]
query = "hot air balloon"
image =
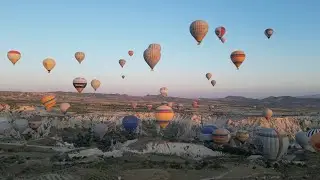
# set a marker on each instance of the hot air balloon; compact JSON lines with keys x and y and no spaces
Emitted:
{"x":195,"y":104}
{"x":49,"y":64}
{"x":303,"y":140}
{"x":164,"y":114}
{"x":242,"y":135}
{"x":64,"y":107}
{"x":48,"y":101}
{"x":267,"y":113}
{"x":20,"y":124}
{"x":95,"y":83}
{"x":134,"y":105}
{"x":268,"y":32}
{"x":220,"y":32}
{"x":152,"y":56}
{"x":208,"y":76}
{"x":35,"y":122}
{"x":237,"y":57}
{"x":100,"y":130}
{"x":79,"y":83}
{"x":315,"y":141}
{"x":130,"y":123}
{"x":199,"y":30}
{"x":206,"y":132}
{"x":123,"y":76}
{"x":122,"y":62}
{"x":149,"y":106}
{"x":271,"y":144}
{"x":130,"y":53}
{"x":211,"y":107}
{"x":311,"y":132}
{"x":14,"y":56}
{"x":221,"y":136}
{"x":180,"y":106}
{"x":79,"y":56}
{"x":170,"y":104}
{"x":155,"y":46}
{"x":213,"y":82}
{"x":164,"y":91}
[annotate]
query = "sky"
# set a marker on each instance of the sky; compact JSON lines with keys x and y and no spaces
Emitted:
{"x":286,"y":64}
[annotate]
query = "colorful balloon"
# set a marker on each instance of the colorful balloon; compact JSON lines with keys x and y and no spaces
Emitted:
{"x":221,"y":136}
{"x":64,"y":107}
{"x":164,"y":91}
{"x":199,"y":30}
{"x":130,"y":53}
{"x":206,"y":132}
{"x":268,"y":32}
{"x":130,"y":123}
{"x":164,"y":114}
{"x":79,"y":56}
{"x":149,"y":106}
{"x":14,"y":56}
{"x":80,"y":83}
{"x":267,"y":113}
{"x":220,"y":32}
{"x":49,"y":101}
{"x":237,"y":57}
{"x":152,"y":56}
{"x":134,"y":105}
{"x":213,"y":82}
{"x":49,"y":64}
{"x":208,"y":76}
{"x":95,"y":84}
{"x":122,"y":62}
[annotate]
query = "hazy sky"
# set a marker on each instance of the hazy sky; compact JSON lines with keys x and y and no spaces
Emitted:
{"x":287,"y":64}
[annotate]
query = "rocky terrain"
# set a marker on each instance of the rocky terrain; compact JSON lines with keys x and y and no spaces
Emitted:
{"x":74,"y":146}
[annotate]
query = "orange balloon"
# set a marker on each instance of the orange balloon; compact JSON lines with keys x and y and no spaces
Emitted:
{"x":315,"y":141}
{"x":14,"y":56}
{"x":237,"y":57}
{"x":164,"y":114}
{"x":49,"y":101}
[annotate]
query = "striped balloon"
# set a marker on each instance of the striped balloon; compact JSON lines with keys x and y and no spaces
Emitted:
{"x":79,"y":83}
{"x":164,"y":114}
{"x":237,"y":57}
{"x":271,"y":143}
{"x":221,"y":136}
{"x":312,"y":132}
{"x":49,"y":101}
{"x":199,"y":30}
{"x":155,"y":46}
{"x":152,"y":56}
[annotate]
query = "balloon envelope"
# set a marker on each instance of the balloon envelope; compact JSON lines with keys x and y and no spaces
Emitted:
{"x":49,"y":101}
{"x":14,"y":56}
{"x":208,"y":76}
{"x":130,"y":53}
{"x":130,"y":123}
{"x":122,"y":62}
{"x":79,"y":56}
{"x":79,"y":83}
{"x":268,"y":32}
{"x":213,"y":82}
{"x":237,"y":57}
{"x":267,"y":113}
{"x":208,"y":129}
{"x":64,"y":107}
{"x":164,"y":114}
{"x":49,"y":64}
{"x":199,"y":29}
{"x":152,"y":56}
{"x":95,"y":84}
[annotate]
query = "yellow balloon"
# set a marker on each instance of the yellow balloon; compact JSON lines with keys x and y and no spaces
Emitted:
{"x":49,"y":101}
{"x":95,"y":84}
{"x":49,"y":64}
{"x":164,"y":114}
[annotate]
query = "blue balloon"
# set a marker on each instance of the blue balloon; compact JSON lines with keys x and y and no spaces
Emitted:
{"x":208,"y":129}
{"x":130,"y":123}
